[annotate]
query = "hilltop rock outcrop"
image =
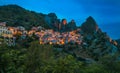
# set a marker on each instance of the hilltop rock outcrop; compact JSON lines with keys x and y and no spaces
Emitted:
{"x":71,"y":25}
{"x":89,"y":26}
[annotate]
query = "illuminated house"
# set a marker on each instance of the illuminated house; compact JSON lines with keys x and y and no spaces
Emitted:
{"x":7,"y":35}
{"x":3,"y":24}
{"x":13,"y":30}
{"x":3,"y":30}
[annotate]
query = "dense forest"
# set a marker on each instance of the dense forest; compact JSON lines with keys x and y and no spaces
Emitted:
{"x":47,"y":59}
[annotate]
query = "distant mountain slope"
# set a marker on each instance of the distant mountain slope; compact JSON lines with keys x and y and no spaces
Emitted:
{"x":17,"y":16}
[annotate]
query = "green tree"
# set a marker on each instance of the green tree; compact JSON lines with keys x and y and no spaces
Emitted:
{"x":67,"y":64}
{"x":38,"y":56}
{"x":11,"y":60}
{"x":110,"y":63}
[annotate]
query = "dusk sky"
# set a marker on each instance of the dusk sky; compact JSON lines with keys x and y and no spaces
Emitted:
{"x":105,"y":12}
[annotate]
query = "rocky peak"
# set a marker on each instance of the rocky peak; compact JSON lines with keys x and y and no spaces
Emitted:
{"x":89,"y":26}
{"x":52,"y":15}
{"x":72,"y":22}
{"x":64,"y":21}
{"x":71,"y":25}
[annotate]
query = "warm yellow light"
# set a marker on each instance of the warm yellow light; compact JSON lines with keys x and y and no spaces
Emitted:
{"x":50,"y":43}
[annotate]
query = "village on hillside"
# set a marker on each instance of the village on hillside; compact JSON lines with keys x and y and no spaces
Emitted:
{"x":8,"y":35}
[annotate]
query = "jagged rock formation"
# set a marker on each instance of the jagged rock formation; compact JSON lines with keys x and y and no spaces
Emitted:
{"x":89,"y":26}
{"x":71,"y":25}
{"x":63,"y":25}
{"x":52,"y":21}
{"x":64,"y":22}
{"x":97,"y":43}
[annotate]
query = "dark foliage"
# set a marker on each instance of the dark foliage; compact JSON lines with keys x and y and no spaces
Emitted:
{"x":18,"y":16}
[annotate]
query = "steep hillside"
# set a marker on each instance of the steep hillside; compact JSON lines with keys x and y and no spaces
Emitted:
{"x":15,"y":15}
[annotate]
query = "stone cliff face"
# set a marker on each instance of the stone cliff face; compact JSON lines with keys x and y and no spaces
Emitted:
{"x":64,"y":22}
{"x":58,"y":25}
{"x":89,"y":26}
{"x":71,"y":25}
{"x":52,"y":21}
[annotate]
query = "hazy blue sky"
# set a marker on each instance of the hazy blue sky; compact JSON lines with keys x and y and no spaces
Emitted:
{"x":105,"y":12}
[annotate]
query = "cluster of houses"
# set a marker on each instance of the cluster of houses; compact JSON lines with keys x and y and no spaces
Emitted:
{"x":8,"y":35}
{"x":52,"y":37}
